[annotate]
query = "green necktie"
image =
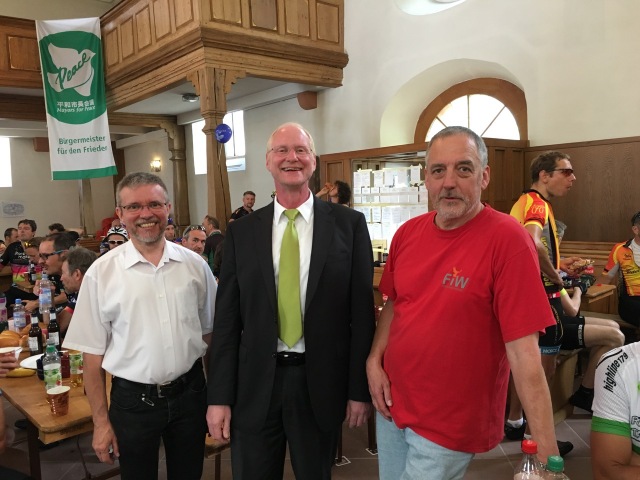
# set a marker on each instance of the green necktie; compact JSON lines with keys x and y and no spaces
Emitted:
{"x":289,"y":312}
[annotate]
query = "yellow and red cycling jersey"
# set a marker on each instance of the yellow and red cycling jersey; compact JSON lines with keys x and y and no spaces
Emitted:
{"x":621,"y":256}
{"x":533,"y":208}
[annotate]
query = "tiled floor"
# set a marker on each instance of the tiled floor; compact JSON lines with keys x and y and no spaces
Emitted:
{"x":63,"y":462}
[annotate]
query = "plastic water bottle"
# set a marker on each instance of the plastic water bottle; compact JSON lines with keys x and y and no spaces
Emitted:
{"x":19,"y":316}
{"x":45,"y":296}
{"x":555,"y":468}
{"x":530,"y":467}
{"x":52,"y":367}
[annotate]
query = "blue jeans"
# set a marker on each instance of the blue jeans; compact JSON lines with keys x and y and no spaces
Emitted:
{"x":405,"y":455}
{"x":140,"y":421}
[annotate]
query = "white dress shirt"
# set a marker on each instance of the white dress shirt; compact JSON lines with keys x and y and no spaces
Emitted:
{"x":304,"y":226}
{"x":147,"y":321}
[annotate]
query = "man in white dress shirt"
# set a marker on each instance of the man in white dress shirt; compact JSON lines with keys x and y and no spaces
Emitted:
{"x":145,"y":315}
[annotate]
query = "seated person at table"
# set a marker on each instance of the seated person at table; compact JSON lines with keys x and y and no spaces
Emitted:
{"x":52,"y":249}
{"x":10,"y":236}
{"x":624,"y":261}
{"x":6,"y":439}
{"x":615,"y":443}
{"x":584,"y":332}
{"x":339,"y":192}
{"x":17,"y":259}
{"x":75,"y":265}
{"x":194,"y":238}
{"x":56,"y":228}
{"x":116,"y":236}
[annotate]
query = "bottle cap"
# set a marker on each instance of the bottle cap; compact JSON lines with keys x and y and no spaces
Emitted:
{"x":555,"y":463}
{"x":529,"y":446}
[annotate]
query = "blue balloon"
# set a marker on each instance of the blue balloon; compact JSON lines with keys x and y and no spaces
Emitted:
{"x":223,"y":133}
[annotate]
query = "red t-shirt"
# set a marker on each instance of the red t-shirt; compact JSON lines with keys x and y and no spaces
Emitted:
{"x":459,"y":296}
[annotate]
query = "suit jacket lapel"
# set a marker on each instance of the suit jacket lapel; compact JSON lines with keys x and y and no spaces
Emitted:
{"x":264,"y":238}
{"x":323,"y":228}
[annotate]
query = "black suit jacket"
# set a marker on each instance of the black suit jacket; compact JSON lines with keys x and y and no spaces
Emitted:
{"x":338,"y":320}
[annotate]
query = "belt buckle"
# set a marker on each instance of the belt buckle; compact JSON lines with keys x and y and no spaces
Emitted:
{"x":159,"y":388}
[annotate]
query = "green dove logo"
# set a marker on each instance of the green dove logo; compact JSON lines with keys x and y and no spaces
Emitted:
{"x":73,"y":76}
{"x":74,"y":69}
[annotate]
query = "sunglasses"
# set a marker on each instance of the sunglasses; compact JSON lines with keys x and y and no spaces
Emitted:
{"x":115,"y":242}
{"x":567,"y":172}
{"x":45,"y":256}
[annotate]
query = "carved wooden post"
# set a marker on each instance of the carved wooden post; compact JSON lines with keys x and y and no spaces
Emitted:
{"x":213,"y":84}
{"x":177,"y":148}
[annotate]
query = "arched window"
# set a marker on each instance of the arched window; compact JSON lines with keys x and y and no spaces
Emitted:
{"x":488,"y":106}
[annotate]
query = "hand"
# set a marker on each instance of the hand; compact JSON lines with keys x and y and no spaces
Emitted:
{"x":566,"y":265}
{"x":219,"y":422}
{"x":357,"y":413}
{"x":105,"y":443}
{"x":31,"y":306}
{"x":8,"y":362}
{"x":379,"y":387}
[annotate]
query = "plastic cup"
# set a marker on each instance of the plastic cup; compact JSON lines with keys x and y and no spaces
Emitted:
{"x":58,"y":398}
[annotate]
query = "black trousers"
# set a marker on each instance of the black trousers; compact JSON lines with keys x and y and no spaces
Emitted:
{"x":629,"y":309}
{"x":140,"y":421}
{"x":260,"y":455}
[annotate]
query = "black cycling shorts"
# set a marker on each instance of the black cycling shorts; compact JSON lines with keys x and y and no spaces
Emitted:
{"x":551,"y":341}
{"x":573,"y":332}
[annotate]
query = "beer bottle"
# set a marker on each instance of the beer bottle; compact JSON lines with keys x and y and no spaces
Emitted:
{"x":54,"y":328}
{"x":35,"y":337}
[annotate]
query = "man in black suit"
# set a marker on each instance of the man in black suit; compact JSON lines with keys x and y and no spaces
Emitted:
{"x":262,"y":392}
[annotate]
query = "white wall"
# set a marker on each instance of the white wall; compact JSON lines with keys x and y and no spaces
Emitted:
{"x":574,"y":60}
{"x":55,"y":9}
{"x":47,"y":201}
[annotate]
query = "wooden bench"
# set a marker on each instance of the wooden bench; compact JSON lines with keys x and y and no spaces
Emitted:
{"x":562,"y":384}
{"x":596,"y":251}
{"x":90,"y":243}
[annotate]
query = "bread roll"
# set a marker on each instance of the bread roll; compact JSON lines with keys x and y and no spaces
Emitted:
{"x":10,"y":334}
{"x":9,"y":342}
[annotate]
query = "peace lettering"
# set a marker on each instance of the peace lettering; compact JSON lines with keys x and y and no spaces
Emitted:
{"x":65,"y":75}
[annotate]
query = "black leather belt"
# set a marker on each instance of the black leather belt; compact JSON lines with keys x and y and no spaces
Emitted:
{"x":167,"y":389}
{"x":289,"y":359}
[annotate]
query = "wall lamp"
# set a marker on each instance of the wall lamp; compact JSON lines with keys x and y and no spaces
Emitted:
{"x":156,"y":165}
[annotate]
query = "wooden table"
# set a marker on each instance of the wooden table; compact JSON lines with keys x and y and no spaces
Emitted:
{"x":28,"y":396}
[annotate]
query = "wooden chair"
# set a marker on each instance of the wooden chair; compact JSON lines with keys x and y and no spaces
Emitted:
{"x":213,"y":449}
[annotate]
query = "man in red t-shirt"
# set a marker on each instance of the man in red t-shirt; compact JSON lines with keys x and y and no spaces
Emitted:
{"x":454,"y":324}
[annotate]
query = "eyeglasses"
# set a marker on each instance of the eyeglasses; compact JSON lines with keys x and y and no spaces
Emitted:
{"x":283,"y":151}
{"x":567,"y":172}
{"x":115,"y":242}
{"x":136,"y":207}
{"x":192,"y":227}
{"x":45,"y":256}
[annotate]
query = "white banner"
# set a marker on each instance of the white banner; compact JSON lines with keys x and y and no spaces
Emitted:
{"x":73,"y":81}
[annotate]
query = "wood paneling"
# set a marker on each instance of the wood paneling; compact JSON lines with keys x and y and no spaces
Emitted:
{"x":296,"y":17}
{"x":19,"y":57}
{"x":329,"y":22}
{"x":605,"y":193}
{"x":183,"y":12}
{"x":111,"y":47}
{"x":162,"y":18}
{"x":264,"y":14}
{"x":23,"y":53}
{"x":126,"y":38}
{"x":227,"y":11}
{"x":143,"y":28}
{"x":507,"y":181}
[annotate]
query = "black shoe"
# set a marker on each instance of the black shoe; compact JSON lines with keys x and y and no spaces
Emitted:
{"x":582,"y":399}
{"x":515,"y":433}
{"x":564,"y":448}
{"x":21,"y":423}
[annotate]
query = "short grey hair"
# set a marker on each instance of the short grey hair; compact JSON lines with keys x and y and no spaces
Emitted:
{"x":458,"y":130}
{"x":80,"y":258}
{"x":137,"y":179}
